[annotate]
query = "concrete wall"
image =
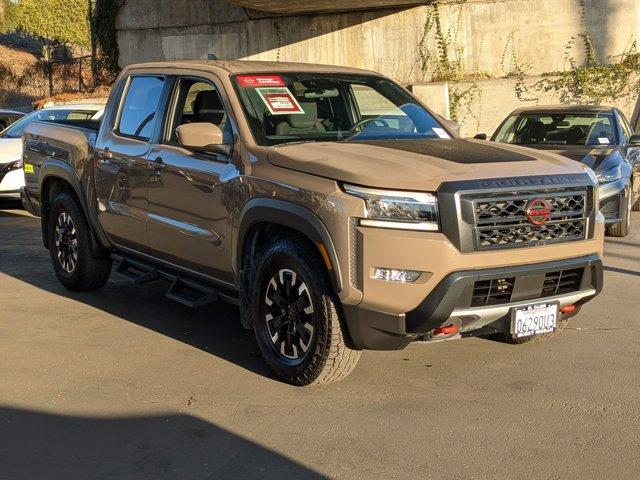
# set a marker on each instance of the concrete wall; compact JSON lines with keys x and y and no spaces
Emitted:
{"x":490,"y":101}
{"x":486,"y":36}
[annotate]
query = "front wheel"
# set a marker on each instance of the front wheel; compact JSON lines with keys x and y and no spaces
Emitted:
{"x":70,"y":247}
{"x":296,"y":317}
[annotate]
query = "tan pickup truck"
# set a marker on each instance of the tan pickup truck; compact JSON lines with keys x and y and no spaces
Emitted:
{"x":330,"y":204}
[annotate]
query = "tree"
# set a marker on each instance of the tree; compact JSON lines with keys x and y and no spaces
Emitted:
{"x":54,"y":21}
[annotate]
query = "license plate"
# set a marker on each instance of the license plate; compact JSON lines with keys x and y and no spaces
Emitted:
{"x":534,"y":320}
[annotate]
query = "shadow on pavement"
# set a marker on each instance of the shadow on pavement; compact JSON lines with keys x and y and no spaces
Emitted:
{"x":36,"y":445}
{"x":214,"y":329}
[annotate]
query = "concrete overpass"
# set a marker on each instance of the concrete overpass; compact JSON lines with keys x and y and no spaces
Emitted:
{"x":320,"y":6}
{"x":487,"y":39}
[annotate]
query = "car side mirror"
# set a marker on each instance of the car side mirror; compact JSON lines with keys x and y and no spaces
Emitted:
{"x":634,"y":141}
{"x":202,"y":137}
{"x":480,"y":136}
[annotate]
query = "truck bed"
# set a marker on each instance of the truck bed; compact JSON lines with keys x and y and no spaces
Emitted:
{"x":71,"y":141}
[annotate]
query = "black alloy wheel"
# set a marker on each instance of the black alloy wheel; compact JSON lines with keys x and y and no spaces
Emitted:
{"x":288,"y":312}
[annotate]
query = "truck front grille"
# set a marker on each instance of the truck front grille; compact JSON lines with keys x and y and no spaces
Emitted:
{"x":499,"y":291}
{"x":492,"y":292}
{"x":562,"y":282}
{"x":501,"y":222}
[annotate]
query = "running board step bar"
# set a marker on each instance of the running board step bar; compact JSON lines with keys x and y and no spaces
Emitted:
{"x":191,"y":294}
{"x":186,"y":291}
{"x":137,"y":272}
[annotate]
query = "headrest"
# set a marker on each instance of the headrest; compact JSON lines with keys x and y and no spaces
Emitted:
{"x":307,"y":119}
{"x":207,"y":101}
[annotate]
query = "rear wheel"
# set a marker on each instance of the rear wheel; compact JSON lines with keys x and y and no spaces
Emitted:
{"x":77,"y":268}
{"x":296,"y":317}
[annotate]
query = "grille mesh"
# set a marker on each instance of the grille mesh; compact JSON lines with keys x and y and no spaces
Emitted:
{"x":503,"y":223}
{"x":498,"y":291}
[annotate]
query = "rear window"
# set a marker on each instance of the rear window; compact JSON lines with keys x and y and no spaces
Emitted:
{"x":139,"y":112}
{"x":47,"y":115}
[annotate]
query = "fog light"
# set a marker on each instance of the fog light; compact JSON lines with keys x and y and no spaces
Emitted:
{"x":395,"y":275}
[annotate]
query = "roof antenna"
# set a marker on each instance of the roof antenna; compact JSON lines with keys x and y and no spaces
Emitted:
{"x":211,"y":56}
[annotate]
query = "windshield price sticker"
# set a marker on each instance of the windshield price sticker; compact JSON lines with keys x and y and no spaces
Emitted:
{"x":255,"y":81}
{"x":280,"y":101}
{"x":440,"y":132}
{"x":603,"y":141}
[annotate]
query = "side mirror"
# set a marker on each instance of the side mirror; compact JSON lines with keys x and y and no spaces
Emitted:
{"x":480,"y":136}
{"x":202,"y":137}
{"x":634,"y":141}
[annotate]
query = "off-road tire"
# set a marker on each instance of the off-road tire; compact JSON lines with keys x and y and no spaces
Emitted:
{"x":328,"y":357}
{"x":621,"y":229}
{"x":91,"y":272}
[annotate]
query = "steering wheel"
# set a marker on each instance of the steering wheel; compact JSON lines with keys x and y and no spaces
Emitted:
{"x":364,"y":121}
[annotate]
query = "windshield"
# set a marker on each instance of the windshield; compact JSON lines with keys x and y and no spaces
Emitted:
{"x":296,"y":107}
{"x":17,"y":129}
{"x":596,"y":129}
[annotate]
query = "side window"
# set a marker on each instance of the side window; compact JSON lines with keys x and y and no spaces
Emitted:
{"x":199,"y":102}
{"x":139,"y":112}
{"x":372,"y":104}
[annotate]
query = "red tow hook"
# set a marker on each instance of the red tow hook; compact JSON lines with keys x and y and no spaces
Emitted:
{"x":568,"y":309}
{"x":447,"y":330}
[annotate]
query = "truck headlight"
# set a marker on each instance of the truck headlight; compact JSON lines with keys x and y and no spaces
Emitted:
{"x":397,"y":209}
{"x":610,"y":175}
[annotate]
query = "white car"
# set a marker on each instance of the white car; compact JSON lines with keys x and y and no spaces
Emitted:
{"x":11,"y":174}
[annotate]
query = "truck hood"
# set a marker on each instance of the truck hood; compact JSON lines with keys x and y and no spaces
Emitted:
{"x":10,"y":149}
{"x":417,"y":164}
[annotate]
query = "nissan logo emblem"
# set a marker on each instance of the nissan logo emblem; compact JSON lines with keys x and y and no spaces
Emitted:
{"x":538,"y":211}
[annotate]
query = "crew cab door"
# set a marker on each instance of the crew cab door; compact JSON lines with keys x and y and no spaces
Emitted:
{"x":188,"y":220}
{"x":122,"y":171}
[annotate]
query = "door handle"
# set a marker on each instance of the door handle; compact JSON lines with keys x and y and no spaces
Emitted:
{"x":159,"y":165}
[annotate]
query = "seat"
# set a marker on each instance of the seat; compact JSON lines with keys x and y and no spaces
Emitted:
{"x":599,"y":130}
{"x":307,"y":122}
{"x":537,"y":132}
{"x":208,"y":108}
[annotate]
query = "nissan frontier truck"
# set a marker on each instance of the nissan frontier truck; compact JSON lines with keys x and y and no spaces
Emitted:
{"x":334,"y":208}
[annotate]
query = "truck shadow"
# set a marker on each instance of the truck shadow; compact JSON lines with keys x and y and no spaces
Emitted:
{"x":41,"y":445}
{"x":214,"y":329}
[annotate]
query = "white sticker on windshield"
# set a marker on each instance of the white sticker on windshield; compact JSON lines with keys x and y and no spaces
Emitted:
{"x":603,"y":140}
{"x":280,"y":101}
{"x":440,"y":132}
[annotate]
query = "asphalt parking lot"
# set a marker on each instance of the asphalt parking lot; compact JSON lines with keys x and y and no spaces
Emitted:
{"x":123,"y":383}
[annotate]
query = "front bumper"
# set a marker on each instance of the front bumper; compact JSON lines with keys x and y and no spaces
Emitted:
{"x":11,"y":181}
{"x":450,"y":302}
{"x":27,"y":204}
